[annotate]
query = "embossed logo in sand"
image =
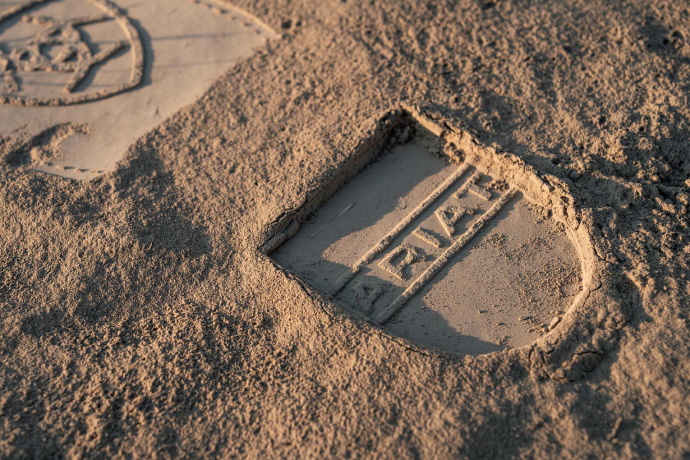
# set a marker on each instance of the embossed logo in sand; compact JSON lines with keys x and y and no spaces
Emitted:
{"x":81,"y":80}
{"x":446,"y":255}
{"x":59,"y":46}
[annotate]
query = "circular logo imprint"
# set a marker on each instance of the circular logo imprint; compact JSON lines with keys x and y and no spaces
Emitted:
{"x":58,"y":46}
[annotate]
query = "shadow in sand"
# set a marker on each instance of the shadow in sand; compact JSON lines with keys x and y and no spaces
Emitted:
{"x":430,"y":330}
{"x":155,"y":231}
{"x":157,"y":220}
{"x":26,"y":407}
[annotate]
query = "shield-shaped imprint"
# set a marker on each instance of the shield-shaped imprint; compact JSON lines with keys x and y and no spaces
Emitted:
{"x":448,"y":251}
{"x":80,"y":80}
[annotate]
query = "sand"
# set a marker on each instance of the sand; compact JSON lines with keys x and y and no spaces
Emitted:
{"x":141,"y":318}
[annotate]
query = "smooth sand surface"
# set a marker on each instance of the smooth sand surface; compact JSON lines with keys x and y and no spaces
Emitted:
{"x":140,"y":316}
{"x":186,"y":46}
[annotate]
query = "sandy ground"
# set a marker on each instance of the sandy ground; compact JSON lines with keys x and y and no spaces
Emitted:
{"x":140,"y":319}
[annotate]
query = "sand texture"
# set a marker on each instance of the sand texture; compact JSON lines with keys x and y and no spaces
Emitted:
{"x":141,"y":317}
